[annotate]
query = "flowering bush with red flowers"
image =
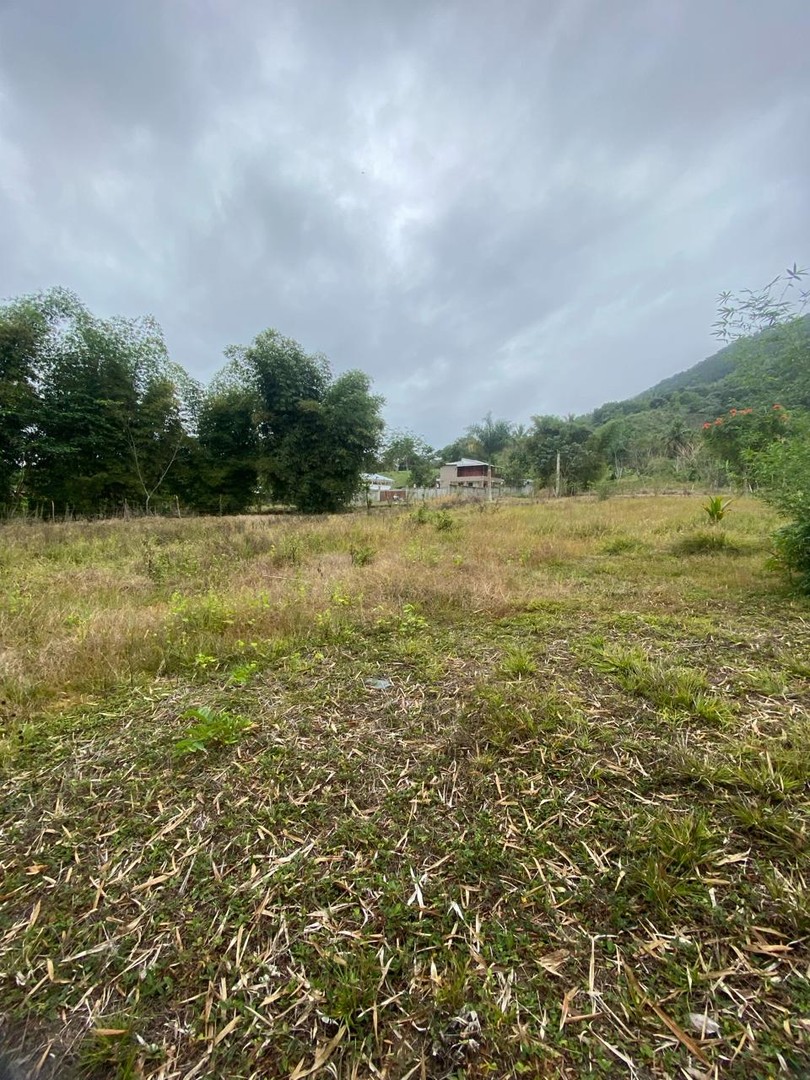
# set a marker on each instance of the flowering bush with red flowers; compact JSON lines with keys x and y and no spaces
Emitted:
{"x":734,"y":439}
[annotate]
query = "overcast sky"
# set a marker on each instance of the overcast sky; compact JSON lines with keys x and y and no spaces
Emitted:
{"x":524,"y":206}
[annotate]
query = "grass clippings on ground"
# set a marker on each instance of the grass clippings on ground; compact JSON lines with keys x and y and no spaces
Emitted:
{"x":505,"y":799}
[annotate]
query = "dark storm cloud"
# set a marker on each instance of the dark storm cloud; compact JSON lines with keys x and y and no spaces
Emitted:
{"x":523,"y":207}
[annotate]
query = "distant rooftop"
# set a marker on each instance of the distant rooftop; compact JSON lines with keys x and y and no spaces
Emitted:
{"x":376,"y":478}
{"x":468,"y":461}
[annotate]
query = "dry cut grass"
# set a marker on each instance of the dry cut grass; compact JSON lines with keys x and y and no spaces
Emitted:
{"x":482,"y":793}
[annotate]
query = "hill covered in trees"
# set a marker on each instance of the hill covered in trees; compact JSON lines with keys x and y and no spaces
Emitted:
{"x":743,"y":372}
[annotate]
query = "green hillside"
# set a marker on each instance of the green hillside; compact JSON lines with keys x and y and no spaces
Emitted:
{"x":769,"y":367}
{"x":714,"y":369}
{"x":655,"y":432}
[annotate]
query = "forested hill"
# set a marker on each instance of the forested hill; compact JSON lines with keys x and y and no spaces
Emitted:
{"x":714,"y":369}
{"x":744,"y":373}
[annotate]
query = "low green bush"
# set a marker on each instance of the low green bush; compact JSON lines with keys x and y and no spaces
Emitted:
{"x":703,"y":542}
{"x":783,"y":471}
{"x":792,"y":552}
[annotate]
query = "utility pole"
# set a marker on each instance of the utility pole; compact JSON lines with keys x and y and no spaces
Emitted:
{"x":490,"y":484}
{"x":557,"y":477}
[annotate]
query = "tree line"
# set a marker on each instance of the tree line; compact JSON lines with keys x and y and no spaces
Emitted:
{"x":95,"y":418}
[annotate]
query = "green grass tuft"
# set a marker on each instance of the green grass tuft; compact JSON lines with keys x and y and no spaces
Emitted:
{"x":702,"y":542}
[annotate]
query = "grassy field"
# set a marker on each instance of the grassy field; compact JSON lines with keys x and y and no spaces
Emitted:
{"x":482,"y":792}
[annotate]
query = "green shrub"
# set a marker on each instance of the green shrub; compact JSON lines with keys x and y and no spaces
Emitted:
{"x":361,"y":554}
{"x":411,"y":622}
{"x":443,"y":521}
{"x":288,"y":550}
{"x":783,"y":472}
{"x":792,"y":552}
{"x":705,"y":543}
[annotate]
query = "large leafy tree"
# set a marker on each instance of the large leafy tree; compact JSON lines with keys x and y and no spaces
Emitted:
{"x":157,"y":438}
{"x":459,"y":448}
{"x":489,"y":437}
{"x":406,"y":452}
{"x":317,"y":434}
{"x":107,"y":411}
{"x":580,"y":462}
{"x":612,"y":442}
{"x":515,"y":462}
{"x":21,"y":333}
{"x":227,"y":474}
{"x":735,"y":439}
{"x":81,"y":457}
{"x":352,"y":430}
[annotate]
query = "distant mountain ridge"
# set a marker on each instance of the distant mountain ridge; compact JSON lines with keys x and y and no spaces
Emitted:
{"x":713,"y":369}
{"x":720,"y":382}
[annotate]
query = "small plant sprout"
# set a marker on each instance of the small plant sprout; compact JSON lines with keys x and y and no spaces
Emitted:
{"x":243,"y":673}
{"x":212,"y":730}
{"x":716,"y":509}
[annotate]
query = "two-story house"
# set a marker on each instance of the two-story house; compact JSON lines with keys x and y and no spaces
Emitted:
{"x":466,"y":474}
